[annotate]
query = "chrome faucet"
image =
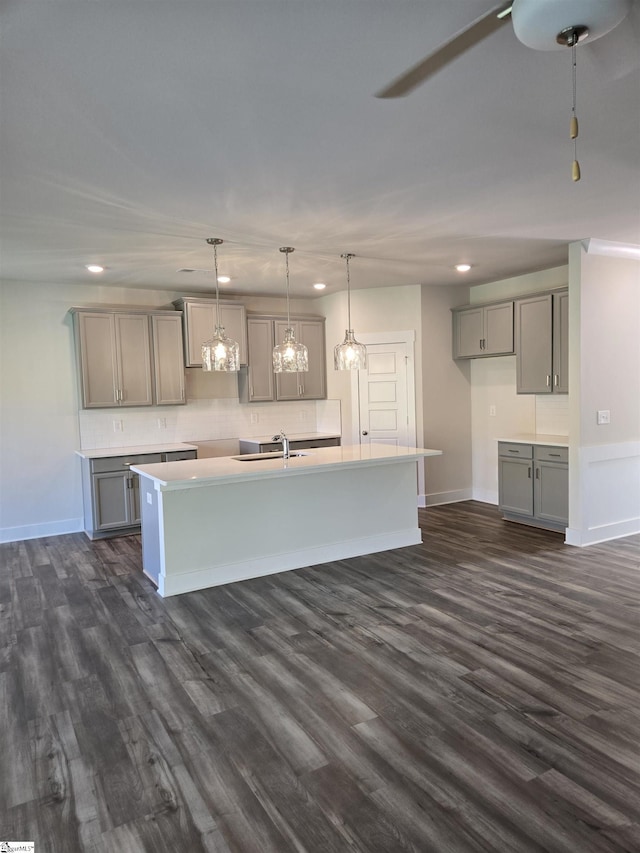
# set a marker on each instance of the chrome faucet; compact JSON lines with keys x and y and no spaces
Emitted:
{"x":285,"y":443}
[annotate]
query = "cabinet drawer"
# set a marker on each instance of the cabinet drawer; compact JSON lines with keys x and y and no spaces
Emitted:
{"x":123,"y":463}
{"x":551,"y":454}
{"x":179,"y":455}
{"x":515,"y":451}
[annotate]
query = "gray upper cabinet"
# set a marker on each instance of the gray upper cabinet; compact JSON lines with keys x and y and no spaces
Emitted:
{"x":168,"y":361}
{"x":115,"y":359}
{"x":200,"y":320}
{"x":257,"y":384}
{"x":312,"y":384}
{"x":129,"y":358}
{"x":561,"y":342}
{"x":483,"y":330}
{"x":260,"y":384}
{"x":542,"y":325}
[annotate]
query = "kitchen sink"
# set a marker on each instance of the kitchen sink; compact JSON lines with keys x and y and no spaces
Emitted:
{"x":263,"y":457}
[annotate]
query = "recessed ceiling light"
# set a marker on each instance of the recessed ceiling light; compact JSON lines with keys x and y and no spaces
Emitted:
{"x":94,"y":267}
{"x":224,"y":279}
{"x":463,"y":267}
{"x":319,"y":285}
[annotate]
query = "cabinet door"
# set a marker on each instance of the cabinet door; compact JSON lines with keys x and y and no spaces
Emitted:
{"x":552,"y":492}
{"x":133,"y":486}
{"x":260,"y":343}
{"x":98,"y":366}
{"x":533,"y":320}
{"x":314,"y":382}
{"x":288,"y":385}
{"x":498,"y":329}
{"x":561,"y":343}
{"x":168,"y":360}
{"x":200,"y":325}
{"x":133,"y":349}
{"x":467,"y":333}
{"x":515,"y":485}
{"x":111,"y":500}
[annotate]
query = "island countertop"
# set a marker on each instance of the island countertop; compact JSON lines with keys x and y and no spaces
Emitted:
{"x":205,"y":472}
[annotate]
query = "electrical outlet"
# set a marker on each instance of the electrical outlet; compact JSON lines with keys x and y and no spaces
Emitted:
{"x":604,"y":416}
{"x":162,"y":423}
{"x":254,"y":417}
{"x":302,"y":416}
{"x":492,"y":411}
{"x":117,"y":426}
{"x":149,"y":498}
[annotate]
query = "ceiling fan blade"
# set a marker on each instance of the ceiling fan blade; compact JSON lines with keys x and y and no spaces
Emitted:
{"x":457,"y":45}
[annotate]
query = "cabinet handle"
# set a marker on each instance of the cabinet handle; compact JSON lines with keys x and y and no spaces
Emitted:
{"x":554,"y":454}
{"x":514,"y":451}
{"x":529,"y":472}
{"x":537,"y":473}
{"x":548,"y":381}
{"x":556,"y":380}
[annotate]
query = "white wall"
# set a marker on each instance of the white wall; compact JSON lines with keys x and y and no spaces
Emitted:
{"x":446,"y":392}
{"x":604,"y":299}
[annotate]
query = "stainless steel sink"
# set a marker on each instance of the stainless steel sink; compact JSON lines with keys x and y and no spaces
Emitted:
{"x":263,"y":457}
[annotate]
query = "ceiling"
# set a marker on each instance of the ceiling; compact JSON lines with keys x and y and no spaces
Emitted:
{"x":131,"y":131}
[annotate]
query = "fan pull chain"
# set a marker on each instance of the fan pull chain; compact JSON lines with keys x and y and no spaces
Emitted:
{"x":573,"y":128}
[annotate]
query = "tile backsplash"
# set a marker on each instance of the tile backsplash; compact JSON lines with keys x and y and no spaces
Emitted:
{"x":203,"y":420}
{"x":552,"y":414}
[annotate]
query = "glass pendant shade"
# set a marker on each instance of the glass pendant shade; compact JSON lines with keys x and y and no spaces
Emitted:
{"x":349,"y":355}
{"x":290,"y":356}
{"x":220,"y":353}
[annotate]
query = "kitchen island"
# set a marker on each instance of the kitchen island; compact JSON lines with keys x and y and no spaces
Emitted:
{"x":208,"y":522}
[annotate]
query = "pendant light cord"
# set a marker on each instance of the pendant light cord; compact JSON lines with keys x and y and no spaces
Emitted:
{"x":574,"y":118}
{"x":215,"y":242}
{"x":286,"y":250}
{"x":347,"y":256}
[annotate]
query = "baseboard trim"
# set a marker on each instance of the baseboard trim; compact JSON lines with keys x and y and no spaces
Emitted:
{"x":604,"y":533}
{"x":37,"y":531}
{"x":209,"y":576}
{"x":439,"y":498}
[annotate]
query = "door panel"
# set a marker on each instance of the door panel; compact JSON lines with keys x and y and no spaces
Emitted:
{"x":382,"y":389}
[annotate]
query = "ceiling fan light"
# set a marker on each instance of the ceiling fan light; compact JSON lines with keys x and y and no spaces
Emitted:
{"x":537,"y":23}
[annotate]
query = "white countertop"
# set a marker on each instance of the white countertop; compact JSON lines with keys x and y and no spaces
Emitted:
{"x":224,"y":469}
{"x":103,"y":452}
{"x":293,"y":436}
{"x":538,"y":438}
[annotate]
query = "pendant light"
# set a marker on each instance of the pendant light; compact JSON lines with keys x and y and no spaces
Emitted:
{"x":220,"y":353}
{"x":289,"y":356}
{"x":349,"y":355}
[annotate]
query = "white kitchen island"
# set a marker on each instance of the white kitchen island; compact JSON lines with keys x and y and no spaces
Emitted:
{"x":207,"y":522}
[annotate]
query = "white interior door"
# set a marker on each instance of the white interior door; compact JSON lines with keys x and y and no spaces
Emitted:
{"x":384,"y":394}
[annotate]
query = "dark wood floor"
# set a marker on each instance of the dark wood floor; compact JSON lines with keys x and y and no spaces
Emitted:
{"x":480,"y":692}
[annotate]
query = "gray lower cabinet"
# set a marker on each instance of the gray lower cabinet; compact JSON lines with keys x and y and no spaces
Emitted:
{"x":111,"y":492}
{"x":533,"y":484}
{"x":483,"y":330}
{"x":249,"y":446}
{"x":200,"y":320}
{"x":542,"y":340}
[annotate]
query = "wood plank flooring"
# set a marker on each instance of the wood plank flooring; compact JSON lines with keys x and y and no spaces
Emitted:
{"x":478,"y":692}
